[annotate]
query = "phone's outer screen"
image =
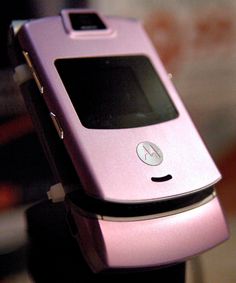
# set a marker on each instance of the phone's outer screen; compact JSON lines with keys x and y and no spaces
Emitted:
{"x":116,"y":92}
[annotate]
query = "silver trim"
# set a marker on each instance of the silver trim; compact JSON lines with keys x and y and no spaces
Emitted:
{"x":35,"y":76}
{"x":57,"y":125}
{"x":159,"y":215}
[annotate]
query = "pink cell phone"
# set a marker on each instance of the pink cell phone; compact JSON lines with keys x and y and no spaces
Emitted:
{"x":148,"y":195}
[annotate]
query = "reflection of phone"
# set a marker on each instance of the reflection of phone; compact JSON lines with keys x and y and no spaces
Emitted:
{"x":147,"y":177}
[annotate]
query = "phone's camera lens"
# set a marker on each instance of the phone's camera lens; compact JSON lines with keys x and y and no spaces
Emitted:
{"x":86,"y":21}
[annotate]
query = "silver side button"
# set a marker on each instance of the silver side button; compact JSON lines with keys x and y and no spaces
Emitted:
{"x":57,"y":125}
{"x":35,"y":76}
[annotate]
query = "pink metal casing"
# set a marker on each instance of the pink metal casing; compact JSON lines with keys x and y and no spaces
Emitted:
{"x":108,"y":165}
{"x":148,"y":243}
{"x":106,"y":160}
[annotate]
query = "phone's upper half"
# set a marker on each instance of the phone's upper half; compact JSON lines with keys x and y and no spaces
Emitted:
{"x":123,"y":124}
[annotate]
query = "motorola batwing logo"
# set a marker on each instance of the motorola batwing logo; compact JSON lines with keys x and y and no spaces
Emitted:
{"x":149,"y":153}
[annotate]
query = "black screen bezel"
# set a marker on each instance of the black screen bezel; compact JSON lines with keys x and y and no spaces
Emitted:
{"x":72,"y":69}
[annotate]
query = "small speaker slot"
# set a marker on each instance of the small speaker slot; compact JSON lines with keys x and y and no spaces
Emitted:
{"x":161,"y":179}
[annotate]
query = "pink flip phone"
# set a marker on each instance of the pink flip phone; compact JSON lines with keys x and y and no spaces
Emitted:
{"x":147,"y":196}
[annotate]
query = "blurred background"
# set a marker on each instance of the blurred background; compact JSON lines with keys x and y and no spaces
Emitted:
{"x":196,"y":41}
